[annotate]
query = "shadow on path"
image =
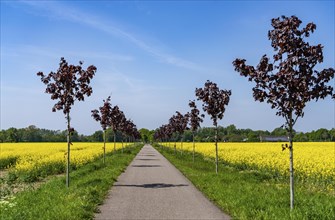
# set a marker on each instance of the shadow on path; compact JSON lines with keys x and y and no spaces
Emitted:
{"x":146,"y":166}
{"x":147,"y":159}
{"x":151,"y":185}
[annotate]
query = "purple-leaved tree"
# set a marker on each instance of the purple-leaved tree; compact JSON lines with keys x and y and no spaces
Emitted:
{"x":68,"y":84}
{"x":290,"y":80}
{"x":115,"y":120}
{"x":214,"y":103}
{"x":182,"y":126}
{"x":103,"y":115}
{"x":194,"y":120}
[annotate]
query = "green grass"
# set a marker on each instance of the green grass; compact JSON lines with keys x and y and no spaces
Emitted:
{"x":88,"y":187}
{"x":7,"y":162}
{"x":250,"y":194}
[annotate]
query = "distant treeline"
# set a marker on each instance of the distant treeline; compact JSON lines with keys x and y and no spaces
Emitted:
{"x":34,"y":134}
{"x":205,"y":134}
{"x":233,"y":134}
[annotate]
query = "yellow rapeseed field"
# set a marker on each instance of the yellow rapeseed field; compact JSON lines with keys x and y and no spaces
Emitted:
{"x":39,"y":156}
{"x":311,"y":159}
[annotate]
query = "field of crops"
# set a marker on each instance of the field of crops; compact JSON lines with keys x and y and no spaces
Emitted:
{"x":33,"y":160}
{"x":312,"y":160}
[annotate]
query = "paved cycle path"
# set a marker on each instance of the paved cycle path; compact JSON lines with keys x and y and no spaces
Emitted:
{"x":152,"y":188}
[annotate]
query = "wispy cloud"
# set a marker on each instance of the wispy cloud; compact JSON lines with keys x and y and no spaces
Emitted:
{"x":20,"y":50}
{"x":60,"y":11}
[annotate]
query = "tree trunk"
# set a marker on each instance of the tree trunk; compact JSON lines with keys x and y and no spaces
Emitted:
{"x":216,"y":150}
{"x":114,"y":141}
{"x":291,"y":162}
{"x":181,"y":146}
{"x":68,"y":150}
{"x":104,"y":158}
{"x":122,"y":143}
{"x":193,"y":146}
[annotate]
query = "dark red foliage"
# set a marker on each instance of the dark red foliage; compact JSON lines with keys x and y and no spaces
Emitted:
{"x":194,"y":116}
{"x":129,"y":128}
{"x":289,"y":81}
{"x":104,"y":115}
{"x":179,"y":122}
{"x":214,"y":100}
{"x":164,"y":132}
{"x":116,"y":119}
{"x":68,"y":84}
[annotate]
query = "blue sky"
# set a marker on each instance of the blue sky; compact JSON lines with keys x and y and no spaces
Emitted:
{"x":150,"y":56}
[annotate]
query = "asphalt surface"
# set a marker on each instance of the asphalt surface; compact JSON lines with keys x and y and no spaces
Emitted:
{"x":152,"y":188}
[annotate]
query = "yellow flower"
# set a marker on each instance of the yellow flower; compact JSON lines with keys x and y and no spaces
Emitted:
{"x":40,"y":155}
{"x":311,"y":159}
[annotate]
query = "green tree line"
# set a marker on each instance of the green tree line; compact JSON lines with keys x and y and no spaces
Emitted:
{"x":233,"y":134}
{"x":34,"y":134}
{"x":205,"y":134}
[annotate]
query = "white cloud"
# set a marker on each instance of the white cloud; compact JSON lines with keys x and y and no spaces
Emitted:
{"x":22,"y":50}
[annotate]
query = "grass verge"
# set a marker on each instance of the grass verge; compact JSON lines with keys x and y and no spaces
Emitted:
{"x":88,"y":187}
{"x":250,"y":194}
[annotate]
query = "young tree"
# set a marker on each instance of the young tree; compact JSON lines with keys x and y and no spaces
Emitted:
{"x":126,"y":128}
{"x":195,"y":120}
{"x":182,"y":126}
{"x":131,"y":130}
{"x":168,"y":132}
{"x":68,"y":84}
{"x":103,"y":116}
{"x":173,"y":124}
{"x":180,"y":122}
{"x":290,"y":81}
{"x":214,"y":103}
{"x":115,"y":122}
{"x":122,"y":121}
{"x":164,"y":133}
